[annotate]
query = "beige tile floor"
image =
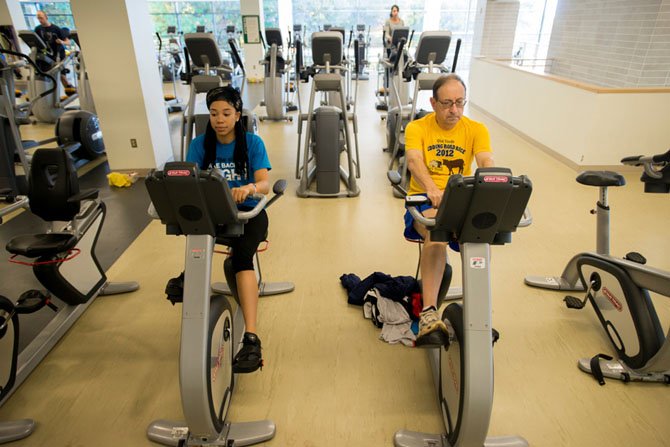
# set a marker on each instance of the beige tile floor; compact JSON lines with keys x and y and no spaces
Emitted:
{"x":328,"y":380}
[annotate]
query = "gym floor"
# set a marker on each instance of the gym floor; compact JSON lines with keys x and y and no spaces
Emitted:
{"x":328,"y":380}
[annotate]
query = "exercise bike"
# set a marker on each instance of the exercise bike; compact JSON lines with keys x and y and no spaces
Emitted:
{"x":618,"y":289}
{"x":63,"y":260}
{"x":199,"y":205}
{"x":477,"y":212}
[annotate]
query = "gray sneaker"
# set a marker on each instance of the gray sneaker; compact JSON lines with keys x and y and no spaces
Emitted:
{"x":432,"y":330}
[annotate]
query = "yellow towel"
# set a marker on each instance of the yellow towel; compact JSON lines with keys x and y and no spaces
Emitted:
{"x":119,"y":180}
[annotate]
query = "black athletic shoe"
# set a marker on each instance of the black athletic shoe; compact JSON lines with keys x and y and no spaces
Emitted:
{"x":175,"y":289}
{"x":249,"y":358}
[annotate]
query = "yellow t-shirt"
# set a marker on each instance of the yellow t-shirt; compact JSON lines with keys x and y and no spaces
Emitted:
{"x":445,"y":152}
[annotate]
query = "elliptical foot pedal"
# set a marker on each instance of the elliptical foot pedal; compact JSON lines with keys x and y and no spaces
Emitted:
{"x":573,"y":302}
{"x":634,"y":256}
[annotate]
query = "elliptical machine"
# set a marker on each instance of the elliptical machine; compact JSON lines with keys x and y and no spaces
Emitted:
{"x":477,"y":212}
{"x":49,"y":108}
{"x":78,"y":132}
{"x":327,"y":129}
{"x":207,"y":71}
{"x":171,"y":67}
{"x":618,"y":289}
{"x":83,"y":86}
{"x":361,"y":45}
{"x":426,"y":67}
{"x":276,"y":83}
{"x":198,"y":204}
{"x":387,"y":62}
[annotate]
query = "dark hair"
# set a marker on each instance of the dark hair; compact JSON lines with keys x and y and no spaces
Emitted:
{"x":444,"y":79}
{"x":396,"y":7}
{"x":241,"y":153}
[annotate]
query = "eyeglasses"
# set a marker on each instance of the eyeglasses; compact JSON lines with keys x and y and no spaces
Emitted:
{"x":448,"y":103}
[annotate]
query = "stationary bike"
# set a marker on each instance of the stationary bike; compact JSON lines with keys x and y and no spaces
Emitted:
{"x":570,"y":280}
{"x":619,"y":289}
{"x":199,"y":205}
{"x":475,"y":211}
{"x":63,"y":260}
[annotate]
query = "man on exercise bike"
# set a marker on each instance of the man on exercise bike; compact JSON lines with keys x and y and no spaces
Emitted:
{"x":438,"y":145}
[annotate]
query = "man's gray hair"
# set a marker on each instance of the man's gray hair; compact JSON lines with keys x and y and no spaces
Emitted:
{"x":444,"y":79}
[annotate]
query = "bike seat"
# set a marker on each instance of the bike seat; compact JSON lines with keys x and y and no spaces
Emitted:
{"x":601,"y":178}
{"x":38,"y":245}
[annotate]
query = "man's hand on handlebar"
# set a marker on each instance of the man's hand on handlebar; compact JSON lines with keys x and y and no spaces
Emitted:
{"x":435,"y":196}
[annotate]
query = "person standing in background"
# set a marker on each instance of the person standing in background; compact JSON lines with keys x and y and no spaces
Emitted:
{"x":394,"y":21}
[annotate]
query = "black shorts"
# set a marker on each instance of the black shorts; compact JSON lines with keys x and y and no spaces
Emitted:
{"x":244,"y":247}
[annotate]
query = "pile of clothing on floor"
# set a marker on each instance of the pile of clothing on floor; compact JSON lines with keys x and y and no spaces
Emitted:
{"x":391,"y":303}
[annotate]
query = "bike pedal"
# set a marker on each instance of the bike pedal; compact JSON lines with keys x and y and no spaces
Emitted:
{"x":435,"y":339}
{"x":175,"y":290}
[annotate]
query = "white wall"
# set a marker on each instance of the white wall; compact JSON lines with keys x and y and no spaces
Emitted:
{"x":584,"y":127}
{"x":612,"y":43}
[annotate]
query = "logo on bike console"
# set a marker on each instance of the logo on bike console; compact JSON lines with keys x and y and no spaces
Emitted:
{"x":496,"y":179}
{"x":178,"y":173}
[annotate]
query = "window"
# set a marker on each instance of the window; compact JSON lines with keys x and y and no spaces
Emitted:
{"x":59,"y":13}
{"x":456,"y":16}
{"x":533,"y":31}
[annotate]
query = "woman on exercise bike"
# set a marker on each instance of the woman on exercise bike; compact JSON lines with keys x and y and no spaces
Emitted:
{"x":243,"y":160}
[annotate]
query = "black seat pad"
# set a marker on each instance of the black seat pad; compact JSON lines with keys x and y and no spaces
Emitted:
{"x":38,"y":245}
{"x":601,"y":178}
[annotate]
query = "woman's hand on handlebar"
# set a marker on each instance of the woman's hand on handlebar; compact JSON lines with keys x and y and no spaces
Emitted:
{"x":240,"y":194}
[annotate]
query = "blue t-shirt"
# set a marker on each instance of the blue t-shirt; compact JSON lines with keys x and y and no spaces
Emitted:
{"x":225,"y":162}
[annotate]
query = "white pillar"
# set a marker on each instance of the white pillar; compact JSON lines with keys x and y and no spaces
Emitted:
{"x":12,"y":14}
{"x":285,"y":8}
{"x":431,"y":16}
{"x":116,"y":38}
{"x":253,"y":52}
{"x":478,"y":34}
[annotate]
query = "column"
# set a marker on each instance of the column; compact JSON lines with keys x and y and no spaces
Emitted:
{"x":12,"y":14}
{"x":285,"y":8}
{"x":116,"y":39}
{"x":253,"y":52}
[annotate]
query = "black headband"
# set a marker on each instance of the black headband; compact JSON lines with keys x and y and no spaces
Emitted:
{"x":228,"y":94}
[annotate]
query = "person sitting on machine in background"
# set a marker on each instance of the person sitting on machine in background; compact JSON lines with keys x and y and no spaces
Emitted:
{"x":242,"y":159}
{"x":394,"y":21}
{"x":438,"y":145}
{"x":56,"y":38}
